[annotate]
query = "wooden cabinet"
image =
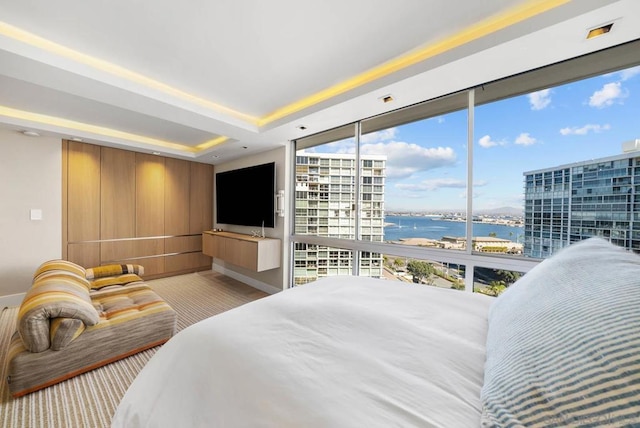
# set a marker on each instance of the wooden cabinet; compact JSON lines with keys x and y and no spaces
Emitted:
{"x":176,"y":197}
{"x":82,"y":180}
{"x":117,"y":194}
{"x":257,"y":254}
{"x":201,"y":198}
{"x":117,"y":203}
{"x":125,"y":207}
{"x":149,"y":195}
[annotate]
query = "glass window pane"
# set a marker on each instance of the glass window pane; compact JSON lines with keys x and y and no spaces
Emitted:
{"x":550,"y":168}
{"x":493,"y":282}
{"x":420,"y":170}
{"x":420,"y":271}
{"x":312,"y":262}
{"x":325,"y":187}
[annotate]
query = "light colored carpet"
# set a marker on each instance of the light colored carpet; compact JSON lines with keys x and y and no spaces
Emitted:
{"x":89,"y":400}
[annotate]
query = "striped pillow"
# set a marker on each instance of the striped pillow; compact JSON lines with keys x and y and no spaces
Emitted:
{"x":97,"y":284}
{"x":55,"y":266}
{"x":563,"y":345}
{"x":113,"y":270}
{"x":59,"y":265}
{"x":54,"y":294}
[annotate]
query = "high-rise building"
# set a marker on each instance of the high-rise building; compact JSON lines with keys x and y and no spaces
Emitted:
{"x":325,"y":202}
{"x":569,"y":203}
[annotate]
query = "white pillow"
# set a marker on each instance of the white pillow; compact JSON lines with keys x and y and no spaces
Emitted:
{"x":563,"y":345}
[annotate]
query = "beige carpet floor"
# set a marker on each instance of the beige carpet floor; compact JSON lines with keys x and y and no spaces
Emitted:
{"x":89,"y":400}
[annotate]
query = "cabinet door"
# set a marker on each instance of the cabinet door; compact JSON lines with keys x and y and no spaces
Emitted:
{"x":209,"y":245}
{"x":86,"y":255}
{"x":83,"y":192}
{"x":176,"y":197}
{"x":117,"y":194}
{"x":242,"y":253}
{"x":201,"y":199}
{"x":149,"y":195}
{"x":118,"y":203}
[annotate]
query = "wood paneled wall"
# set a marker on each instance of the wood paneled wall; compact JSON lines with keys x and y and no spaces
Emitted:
{"x":126,"y":207}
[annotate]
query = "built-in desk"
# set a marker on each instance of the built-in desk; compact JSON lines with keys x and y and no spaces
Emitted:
{"x":242,"y":250}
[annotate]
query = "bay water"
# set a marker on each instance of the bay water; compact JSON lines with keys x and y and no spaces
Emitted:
{"x":398,"y":227}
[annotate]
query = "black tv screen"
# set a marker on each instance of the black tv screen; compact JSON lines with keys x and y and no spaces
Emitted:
{"x":246,"y":196}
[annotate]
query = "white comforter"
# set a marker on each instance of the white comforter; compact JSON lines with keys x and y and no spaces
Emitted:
{"x":341,"y":352}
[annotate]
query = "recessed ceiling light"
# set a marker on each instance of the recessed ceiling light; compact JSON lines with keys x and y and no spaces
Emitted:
{"x":31,"y":133}
{"x":155,"y":153}
{"x":595,"y":32}
{"x":386,"y":98}
{"x":301,"y":127}
{"x":78,"y":139}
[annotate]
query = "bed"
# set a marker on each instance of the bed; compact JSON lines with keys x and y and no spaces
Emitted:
{"x":561,"y":347}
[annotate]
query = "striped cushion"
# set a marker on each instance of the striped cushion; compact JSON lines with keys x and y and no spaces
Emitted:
{"x":113,"y":270}
{"x":54,"y":293}
{"x":129,"y":278}
{"x":118,"y":306}
{"x":563,"y":345}
{"x":55,"y":266}
{"x":63,"y":331}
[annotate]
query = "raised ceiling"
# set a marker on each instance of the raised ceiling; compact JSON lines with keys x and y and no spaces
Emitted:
{"x":215,"y":80}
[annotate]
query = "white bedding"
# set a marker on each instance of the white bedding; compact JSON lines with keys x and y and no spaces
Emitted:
{"x":341,"y":352}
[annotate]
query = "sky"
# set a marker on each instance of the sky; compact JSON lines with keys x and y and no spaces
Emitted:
{"x":426,"y":160}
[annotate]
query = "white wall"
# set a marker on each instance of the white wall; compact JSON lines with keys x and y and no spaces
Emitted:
{"x":274,"y":279}
{"x":30,"y":178}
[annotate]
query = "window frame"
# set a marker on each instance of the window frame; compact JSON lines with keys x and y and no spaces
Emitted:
{"x":589,"y":65}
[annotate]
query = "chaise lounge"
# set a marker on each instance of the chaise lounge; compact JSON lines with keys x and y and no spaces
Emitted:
{"x":74,"y":320}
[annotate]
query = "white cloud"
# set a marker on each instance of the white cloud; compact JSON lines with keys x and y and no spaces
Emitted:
{"x":438,"y":183}
{"x":629,"y":73}
{"x":606,"y":96}
{"x":525,"y":139}
{"x":540,"y":99}
{"x":487,"y":142}
{"x":373,"y":137}
{"x":406,"y":159}
{"x":348,"y":144}
{"x":585,"y":129}
{"x":433,"y":184}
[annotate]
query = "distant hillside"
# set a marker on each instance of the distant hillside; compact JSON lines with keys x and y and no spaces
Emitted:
{"x":510,"y":211}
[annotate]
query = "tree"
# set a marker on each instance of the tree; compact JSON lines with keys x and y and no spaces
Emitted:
{"x":420,"y":270}
{"x":493,"y":234}
{"x":508,"y":277}
{"x":495,"y":288}
{"x":397,"y":262}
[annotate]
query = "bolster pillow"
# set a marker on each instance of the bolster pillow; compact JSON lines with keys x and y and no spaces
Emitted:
{"x":54,"y":267}
{"x":55,"y":293}
{"x":113,"y":270}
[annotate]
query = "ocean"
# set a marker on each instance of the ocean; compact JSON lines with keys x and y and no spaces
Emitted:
{"x":434,"y":228}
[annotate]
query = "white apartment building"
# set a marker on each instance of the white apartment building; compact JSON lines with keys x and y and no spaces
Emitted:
{"x":568,"y":203}
{"x":325,"y":206}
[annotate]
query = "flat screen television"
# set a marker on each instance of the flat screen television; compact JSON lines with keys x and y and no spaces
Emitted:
{"x":246,"y":196}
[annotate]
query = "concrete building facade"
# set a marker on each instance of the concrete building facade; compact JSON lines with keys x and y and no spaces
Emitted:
{"x":325,"y":201}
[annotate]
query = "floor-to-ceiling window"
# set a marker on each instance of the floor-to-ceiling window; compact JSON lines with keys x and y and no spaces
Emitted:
{"x":325,"y":204}
{"x":470,"y":190}
{"x":557,"y":170}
